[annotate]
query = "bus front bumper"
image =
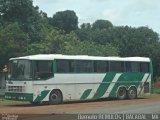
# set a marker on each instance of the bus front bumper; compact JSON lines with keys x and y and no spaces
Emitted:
{"x":19,"y":96}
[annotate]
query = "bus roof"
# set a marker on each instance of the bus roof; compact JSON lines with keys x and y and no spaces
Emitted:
{"x":81,"y":57}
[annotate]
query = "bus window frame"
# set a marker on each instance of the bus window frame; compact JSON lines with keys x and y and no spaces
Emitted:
{"x":122,"y":67}
{"x":34,"y":70}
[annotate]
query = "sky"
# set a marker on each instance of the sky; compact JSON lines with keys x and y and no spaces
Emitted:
{"x":134,"y":13}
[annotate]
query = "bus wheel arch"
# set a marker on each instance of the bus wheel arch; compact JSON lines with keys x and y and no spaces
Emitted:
{"x":132,"y":92}
{"x":121,"y":93}
{"x":55,"y":97}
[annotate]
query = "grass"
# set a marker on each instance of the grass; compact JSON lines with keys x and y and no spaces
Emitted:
{"x":156,"y":88}
{"x":156,"y":91}
{"x":11,"y":102}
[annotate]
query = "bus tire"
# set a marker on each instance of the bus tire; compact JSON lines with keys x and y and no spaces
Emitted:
{"x":122,"y":93}
{"x":132,"y":93}
{"x":55,"y":97}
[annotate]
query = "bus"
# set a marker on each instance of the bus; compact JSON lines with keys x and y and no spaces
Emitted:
{"x":55,"y":78}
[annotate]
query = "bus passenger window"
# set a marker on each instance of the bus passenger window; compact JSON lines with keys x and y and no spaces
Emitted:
{"x":135,"y":66}
{"x":132,"y":67}
{"x":101,"y":66}
{"x":43,"y":69}
{"x":128,"y":67}
{"x":116,"y":66}
{"x":144,"y":67}
{"x":62,"y":66}
{"x":83,"y":66}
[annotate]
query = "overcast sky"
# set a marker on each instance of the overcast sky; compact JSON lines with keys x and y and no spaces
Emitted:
{"x":133,"y":13}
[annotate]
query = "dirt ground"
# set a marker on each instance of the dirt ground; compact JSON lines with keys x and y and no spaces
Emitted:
{"x":71,"y":106}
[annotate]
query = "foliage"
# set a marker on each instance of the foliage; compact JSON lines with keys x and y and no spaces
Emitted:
{"x":90,"y":48}
{"x":102,"y":24}
{"x":85,"y":32}
{"x":65,"y":20}
{"x":13,"y":42}
{"x":30,"y":20}
{"x":54,"y":42}
{"x":134,"y":41}
{"x":60,"y":43}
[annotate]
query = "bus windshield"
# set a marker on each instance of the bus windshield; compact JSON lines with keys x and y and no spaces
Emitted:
{"x":20,"y":70}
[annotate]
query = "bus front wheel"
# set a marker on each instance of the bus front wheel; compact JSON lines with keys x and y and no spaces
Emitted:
{"x":55,"y":97}
{"x":122,"y":93}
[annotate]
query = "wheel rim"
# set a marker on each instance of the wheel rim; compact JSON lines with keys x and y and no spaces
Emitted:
{"x":121,"y":92}
{"x":132,"y":93}
{"x":54,"y":97}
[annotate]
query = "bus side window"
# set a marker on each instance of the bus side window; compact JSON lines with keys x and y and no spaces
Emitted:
{"x":128,"y":67}
{"x":43,"y":69}
{"x":135,"y":66}
{"x":63,"y":66}
{"x":116,"y":66}
{"x":83,"y":66}
{"x":144,"y":66}
{"x":72,"y":66}
{"x":101,"y":66}
{"x":132,"y":67}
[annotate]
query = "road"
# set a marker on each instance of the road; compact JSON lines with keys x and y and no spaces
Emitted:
{"x":147,"y":108}
{"x":147,"y":105}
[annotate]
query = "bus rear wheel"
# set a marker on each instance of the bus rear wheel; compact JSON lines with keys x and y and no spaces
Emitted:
{"x":132,"y":93}
{"x":55,"y":97}
{"x":122,"y":93}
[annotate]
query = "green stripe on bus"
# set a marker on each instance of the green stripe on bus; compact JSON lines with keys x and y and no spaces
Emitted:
{"x":85,"y":94}
{"x":104,"y":85}
{"x":42,"y":96}
{"x":131,"y":77}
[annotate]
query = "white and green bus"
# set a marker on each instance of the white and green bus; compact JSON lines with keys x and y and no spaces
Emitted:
{"x":55,"y":78}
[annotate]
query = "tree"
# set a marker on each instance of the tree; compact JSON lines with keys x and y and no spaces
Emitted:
{"x":86,"y":26}
{"x":54,"y":42}
{"x":20,"y":11}
{"x":84,"y":32}
{"x":59,"y":42}
{"x":90,"y":48}
{"x":102,"y":24}
{"x":65,"y":20}
{"x":134,"y":41}
{"x":102,"y":36}
{"x":13,"y":42}
{"x":30,"y":20}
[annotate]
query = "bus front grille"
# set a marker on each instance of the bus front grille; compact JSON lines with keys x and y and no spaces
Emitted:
{"x":18,"y":89}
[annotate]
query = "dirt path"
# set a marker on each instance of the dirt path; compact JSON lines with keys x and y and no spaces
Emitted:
{"x":71,"y":107}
